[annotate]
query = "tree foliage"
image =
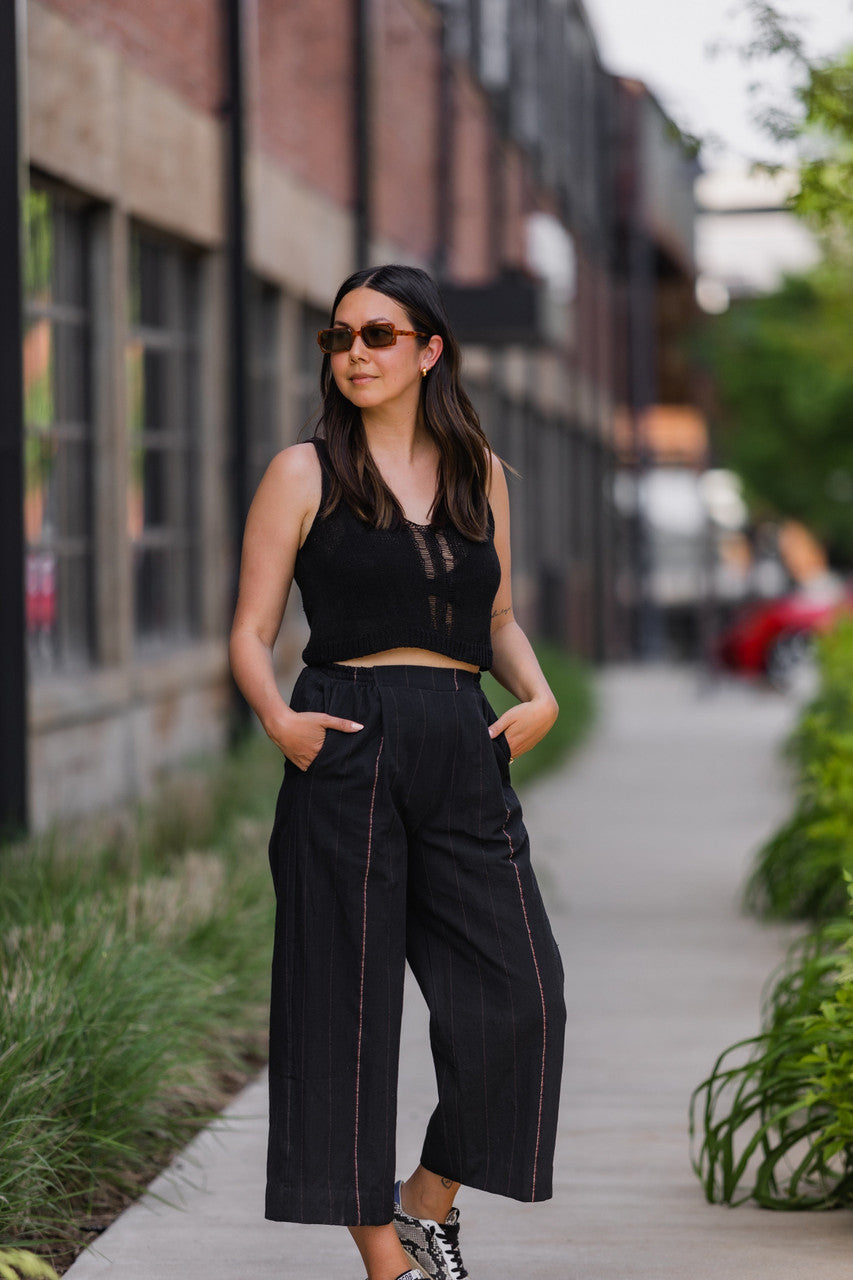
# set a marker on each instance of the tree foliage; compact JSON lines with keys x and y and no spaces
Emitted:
{"x":782,"y":363}
{"x":784,"y":375}
{"x":819,"y":120}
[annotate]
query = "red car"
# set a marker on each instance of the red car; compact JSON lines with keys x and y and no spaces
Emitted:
{"x":774,"y":638}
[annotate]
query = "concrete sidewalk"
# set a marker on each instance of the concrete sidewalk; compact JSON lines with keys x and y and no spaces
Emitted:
{"x":641,"y":845}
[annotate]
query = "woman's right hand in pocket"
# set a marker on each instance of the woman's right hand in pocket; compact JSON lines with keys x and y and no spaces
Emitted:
{"x":303,"y":733}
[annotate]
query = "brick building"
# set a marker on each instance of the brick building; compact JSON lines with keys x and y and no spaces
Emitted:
{"x":478,"y":138}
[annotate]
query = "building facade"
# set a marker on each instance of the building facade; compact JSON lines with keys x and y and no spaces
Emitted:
{"x":478,"y":138}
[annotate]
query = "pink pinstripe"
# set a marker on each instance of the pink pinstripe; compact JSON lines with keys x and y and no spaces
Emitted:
{"x":541,"y":997}
{"x":363,"y":959}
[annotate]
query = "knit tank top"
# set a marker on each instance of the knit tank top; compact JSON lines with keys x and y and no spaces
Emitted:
{"x":412,"y":586}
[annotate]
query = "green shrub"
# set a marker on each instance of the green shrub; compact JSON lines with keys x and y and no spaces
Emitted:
{"x":798,"y":873}
{"x":774,"y":1120}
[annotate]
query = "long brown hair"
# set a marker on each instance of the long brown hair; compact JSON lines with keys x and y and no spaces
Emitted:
{"x":464,"y":457}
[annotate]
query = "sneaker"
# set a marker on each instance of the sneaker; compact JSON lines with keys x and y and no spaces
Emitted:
{"x":412,"y":1275}
{"x":433,"y":1245}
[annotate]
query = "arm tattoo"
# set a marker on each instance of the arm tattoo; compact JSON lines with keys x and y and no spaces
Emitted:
{"x":447,"y":1183}
{"x":498,"y":613}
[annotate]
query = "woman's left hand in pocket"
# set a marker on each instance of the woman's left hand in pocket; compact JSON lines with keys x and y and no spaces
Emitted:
{"x":525,"y":724}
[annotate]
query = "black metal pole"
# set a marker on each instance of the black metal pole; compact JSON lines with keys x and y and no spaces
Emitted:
{"x":13,"y":673}
{"x":236,"y":298}
{"x":361,"y":132}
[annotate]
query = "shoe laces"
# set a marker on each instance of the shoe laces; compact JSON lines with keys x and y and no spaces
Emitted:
{"x":448,"y":1240}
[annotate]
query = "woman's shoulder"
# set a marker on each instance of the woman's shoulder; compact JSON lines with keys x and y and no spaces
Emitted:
{"x":297,"y":465}
{"x":292,"y":482}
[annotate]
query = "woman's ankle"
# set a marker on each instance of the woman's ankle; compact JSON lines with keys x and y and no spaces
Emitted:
{"x":426,"y":1195}
{"x":381,"y":1252}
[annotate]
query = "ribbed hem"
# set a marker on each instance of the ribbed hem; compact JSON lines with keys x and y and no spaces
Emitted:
{"x":316,"y":654}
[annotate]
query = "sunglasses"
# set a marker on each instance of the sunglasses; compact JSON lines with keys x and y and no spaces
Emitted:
{"x":380,"y":333}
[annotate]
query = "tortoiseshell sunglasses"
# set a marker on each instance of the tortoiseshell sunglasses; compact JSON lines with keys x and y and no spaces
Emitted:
{"x":379,"y":333}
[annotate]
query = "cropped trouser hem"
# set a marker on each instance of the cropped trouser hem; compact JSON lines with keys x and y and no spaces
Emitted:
{"x":299,"y":1204}
{"x":404,"y":841}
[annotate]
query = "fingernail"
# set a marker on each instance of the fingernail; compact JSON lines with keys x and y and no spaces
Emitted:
{"x":356,"y":725}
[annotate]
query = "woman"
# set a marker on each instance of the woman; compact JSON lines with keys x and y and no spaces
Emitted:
{"x":397,"y":834}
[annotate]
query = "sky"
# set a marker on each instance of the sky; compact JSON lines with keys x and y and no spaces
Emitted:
{"x":668,"y":43}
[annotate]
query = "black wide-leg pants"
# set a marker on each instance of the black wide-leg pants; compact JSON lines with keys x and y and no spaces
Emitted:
{"x":405,"y":840}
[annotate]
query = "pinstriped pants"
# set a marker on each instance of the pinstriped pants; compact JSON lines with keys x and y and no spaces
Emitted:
{"x":405,"y":841}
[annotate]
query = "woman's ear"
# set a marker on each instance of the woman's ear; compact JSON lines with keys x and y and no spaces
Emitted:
{"x":431,"y":352}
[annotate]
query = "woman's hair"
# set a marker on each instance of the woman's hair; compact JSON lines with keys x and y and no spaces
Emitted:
{"x":449,"y":416}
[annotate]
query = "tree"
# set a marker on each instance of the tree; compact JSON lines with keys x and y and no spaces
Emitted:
{"x":819,"y":121}
{"x":784,"y":375}
{"x":782,"y":363}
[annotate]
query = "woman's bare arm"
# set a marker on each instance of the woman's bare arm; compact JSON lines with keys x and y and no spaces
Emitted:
{"x":514,"y":664}
{"x":279,"y":518}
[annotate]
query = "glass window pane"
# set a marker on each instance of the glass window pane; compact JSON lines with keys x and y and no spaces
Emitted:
{"x":263,"y":379}
{"x":152,"y":290}
{"x":70,"y":263}
{"x":57,"y":448}
{"x":41,"y":606}
{"x":71,"y":341}
{"x":41,"y":486}
{"x":155,"y":487}
{"x":74,"y":607}
{"x":151,"y":605}
{"x":39,"y":243}
{"x":163,"y":418}
{"x":74,"y":468}
{"x":156,"y":408}
{"x":39,"y":407}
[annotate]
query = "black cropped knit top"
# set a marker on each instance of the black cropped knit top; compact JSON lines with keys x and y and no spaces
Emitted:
{"x":412,"y":586}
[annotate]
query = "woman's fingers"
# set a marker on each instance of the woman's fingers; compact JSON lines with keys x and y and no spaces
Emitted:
{"x":343,"y":726}
{"x":307,"y":733}
{"x":525,"y":724}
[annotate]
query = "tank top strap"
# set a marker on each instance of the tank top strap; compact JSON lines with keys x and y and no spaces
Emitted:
{"x":325,"y":466}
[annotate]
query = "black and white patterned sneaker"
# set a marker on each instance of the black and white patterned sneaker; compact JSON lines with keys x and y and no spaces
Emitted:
{"x":433,"y":1245}
{"x":412,"y":1275}
{"x":417,"y":1274}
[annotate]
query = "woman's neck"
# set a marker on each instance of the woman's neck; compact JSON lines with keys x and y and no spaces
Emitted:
{"x":395,"y":436}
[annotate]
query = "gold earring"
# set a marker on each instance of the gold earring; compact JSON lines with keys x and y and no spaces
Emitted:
{"x":424,"y":372}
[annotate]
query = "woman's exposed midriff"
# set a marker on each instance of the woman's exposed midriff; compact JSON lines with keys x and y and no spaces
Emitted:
{"x":405,"y":657}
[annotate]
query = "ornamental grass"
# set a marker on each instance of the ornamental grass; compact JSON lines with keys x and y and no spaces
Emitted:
{"x":798,"y":873}
{"x":773,"y":1122}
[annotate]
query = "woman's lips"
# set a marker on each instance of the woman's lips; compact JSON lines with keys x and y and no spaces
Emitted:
{"x":361,"y":379}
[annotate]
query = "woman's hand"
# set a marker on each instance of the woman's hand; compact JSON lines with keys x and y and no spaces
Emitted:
{"x":299,"y":735}
{"x":526,"y":724}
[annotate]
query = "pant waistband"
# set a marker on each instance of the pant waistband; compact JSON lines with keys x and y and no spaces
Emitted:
{"x":405,"y":676}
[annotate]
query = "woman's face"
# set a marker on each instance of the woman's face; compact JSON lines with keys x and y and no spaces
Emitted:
{"x":380,"y":377}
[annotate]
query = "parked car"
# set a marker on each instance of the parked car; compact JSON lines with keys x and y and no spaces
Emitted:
{"x":775,"y":638}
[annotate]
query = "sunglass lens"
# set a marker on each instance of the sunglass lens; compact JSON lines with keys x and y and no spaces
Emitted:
{"x":333,"y":340}
{"x":378,"y":335}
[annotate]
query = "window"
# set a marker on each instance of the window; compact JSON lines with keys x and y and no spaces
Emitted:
{"x":58,"y":433}
{"x":310,"y":400}
{"x":263,"y":376}
{"x":163,"y":415}
{"x":494,"y":43}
